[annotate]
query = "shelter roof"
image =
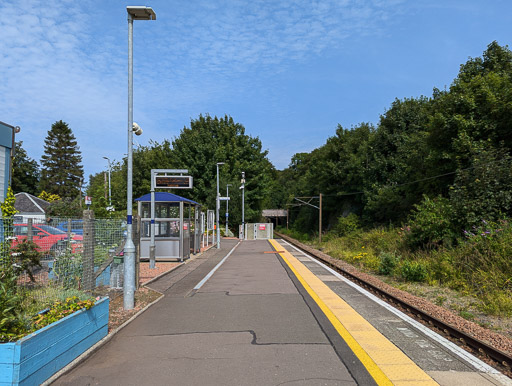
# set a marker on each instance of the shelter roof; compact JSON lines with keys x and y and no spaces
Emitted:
{"x":165,"y":197}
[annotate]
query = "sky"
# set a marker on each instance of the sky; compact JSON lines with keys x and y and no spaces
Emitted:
{"x":289,"y":71}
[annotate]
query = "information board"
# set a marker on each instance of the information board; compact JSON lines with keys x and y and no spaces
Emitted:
{"x":173,"y":182}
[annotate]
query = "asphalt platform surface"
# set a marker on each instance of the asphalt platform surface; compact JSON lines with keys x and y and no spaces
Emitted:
{"x":251,"y":323}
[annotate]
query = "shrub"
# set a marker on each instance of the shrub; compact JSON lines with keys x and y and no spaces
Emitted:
{"x":68,"y":269}
{"x":430,"y":224}
{"x":25,"y":258}
{"x":347,"y":224}
{"x":60,"y":310}
{"x":12,"y":323}
{"x":388,"y":262}
{"x":413,"y":271}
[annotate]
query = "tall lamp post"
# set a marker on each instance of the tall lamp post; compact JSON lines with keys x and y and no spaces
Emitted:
{"x":134,"y":13}
{"x":218,"y":205}
{"x":227,"y":208}
{"x":109,"y":190}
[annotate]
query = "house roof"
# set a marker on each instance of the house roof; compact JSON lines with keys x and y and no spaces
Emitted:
{"x":27,"y":203}
{"x":165,"y":197}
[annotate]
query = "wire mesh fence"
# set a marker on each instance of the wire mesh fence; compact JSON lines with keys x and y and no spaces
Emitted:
{"x":50,"y":256}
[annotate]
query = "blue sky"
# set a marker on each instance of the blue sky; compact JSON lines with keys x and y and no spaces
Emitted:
{"x":289,"y":71}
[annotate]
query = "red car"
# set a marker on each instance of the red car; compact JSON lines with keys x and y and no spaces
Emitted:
{"x":49,"y":240}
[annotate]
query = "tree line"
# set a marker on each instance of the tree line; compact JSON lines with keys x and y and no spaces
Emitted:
{"x":439,"y":163}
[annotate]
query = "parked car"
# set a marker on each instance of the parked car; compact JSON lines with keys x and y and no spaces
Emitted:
{"x":77,"y":226}
{"x":49,"y":240}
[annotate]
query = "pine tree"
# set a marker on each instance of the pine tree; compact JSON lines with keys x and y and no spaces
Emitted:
{"x":61,"y":169}
{"x":25,"y":171}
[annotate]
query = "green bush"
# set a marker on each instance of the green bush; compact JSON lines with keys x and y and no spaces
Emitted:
{"x":12,"y":322}
{"x":388,"y":262}
{"x":430,"y":224}
{"x":413,"y":271}
{"x":347,"y":224}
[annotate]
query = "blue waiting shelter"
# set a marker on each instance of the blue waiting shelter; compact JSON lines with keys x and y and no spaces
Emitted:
{"x":177,"y":230}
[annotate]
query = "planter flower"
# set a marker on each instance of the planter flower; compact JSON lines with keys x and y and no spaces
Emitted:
{"x":36,"y":357}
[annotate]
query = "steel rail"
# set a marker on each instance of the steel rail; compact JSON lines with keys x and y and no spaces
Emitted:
{"x":462,"y":337}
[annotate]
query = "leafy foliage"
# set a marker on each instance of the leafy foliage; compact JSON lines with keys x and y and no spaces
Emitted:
{"x":8,"y":209}
{"x":347,"y":224}
{"x":25,"y":257}
{"x":49,"y":197}
{"x":388,"y":262}
{"x":430,"y":224}
{"x":60,"y":310}
{"x":12,"y":323}
{"x":65,"y":207}
{"x":25,"y":171}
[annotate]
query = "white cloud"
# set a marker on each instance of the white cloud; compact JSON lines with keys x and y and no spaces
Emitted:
{"x":58,"y":60}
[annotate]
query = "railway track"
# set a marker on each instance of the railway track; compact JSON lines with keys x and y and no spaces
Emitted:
{"x":501,"y":359}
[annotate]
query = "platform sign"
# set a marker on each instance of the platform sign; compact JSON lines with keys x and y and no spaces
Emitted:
{"x":173,"y":182}
{"x":262,"y":227}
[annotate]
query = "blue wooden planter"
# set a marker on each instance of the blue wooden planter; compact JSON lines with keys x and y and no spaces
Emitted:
{"x":38,"y":356}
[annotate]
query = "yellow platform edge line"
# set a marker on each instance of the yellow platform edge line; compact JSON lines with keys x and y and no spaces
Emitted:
{"x":326,"y":298}
{"x":376,"y":373}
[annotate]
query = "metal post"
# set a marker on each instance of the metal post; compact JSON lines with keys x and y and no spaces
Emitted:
{"x":139,"y":13}
{"x":109,"y":187}
{"x":320,"y":220}
{"x":152,"y":231}
{"x":181,"y":231}
{"x":129,"y":248}
{"x":243,"y":204}
{"x":217,"y":209}
{"x":88,"y":282}
{"x":227,"y":208}
{"x":218,"y":205}
{"x":152,"y":225}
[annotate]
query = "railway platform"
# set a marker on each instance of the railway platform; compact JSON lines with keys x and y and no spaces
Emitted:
{"x":263,"y":313}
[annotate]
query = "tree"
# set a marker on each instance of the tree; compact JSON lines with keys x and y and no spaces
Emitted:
{"x":62,"y":172}
{"x":211,"y":140}
{"x":25,"y":171}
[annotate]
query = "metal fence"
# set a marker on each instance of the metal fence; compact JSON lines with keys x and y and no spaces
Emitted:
{"x":75,"y":253}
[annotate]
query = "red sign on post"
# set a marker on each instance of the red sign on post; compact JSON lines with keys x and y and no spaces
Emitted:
{"x":262,"y":227}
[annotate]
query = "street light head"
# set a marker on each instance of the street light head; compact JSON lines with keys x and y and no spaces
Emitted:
{"x":141,"y":12}
{"x":220,"y":163}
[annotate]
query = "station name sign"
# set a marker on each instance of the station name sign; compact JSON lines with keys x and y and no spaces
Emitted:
{"x":173,"y":182}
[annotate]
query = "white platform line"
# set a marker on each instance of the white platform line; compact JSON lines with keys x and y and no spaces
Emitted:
{"x":205,"y":279}
{"x":474,"y":361}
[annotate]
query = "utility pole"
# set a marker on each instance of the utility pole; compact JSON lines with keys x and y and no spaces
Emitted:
{"x":320,"y":220}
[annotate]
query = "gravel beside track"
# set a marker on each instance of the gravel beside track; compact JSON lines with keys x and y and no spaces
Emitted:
{"x":493,"y":339}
